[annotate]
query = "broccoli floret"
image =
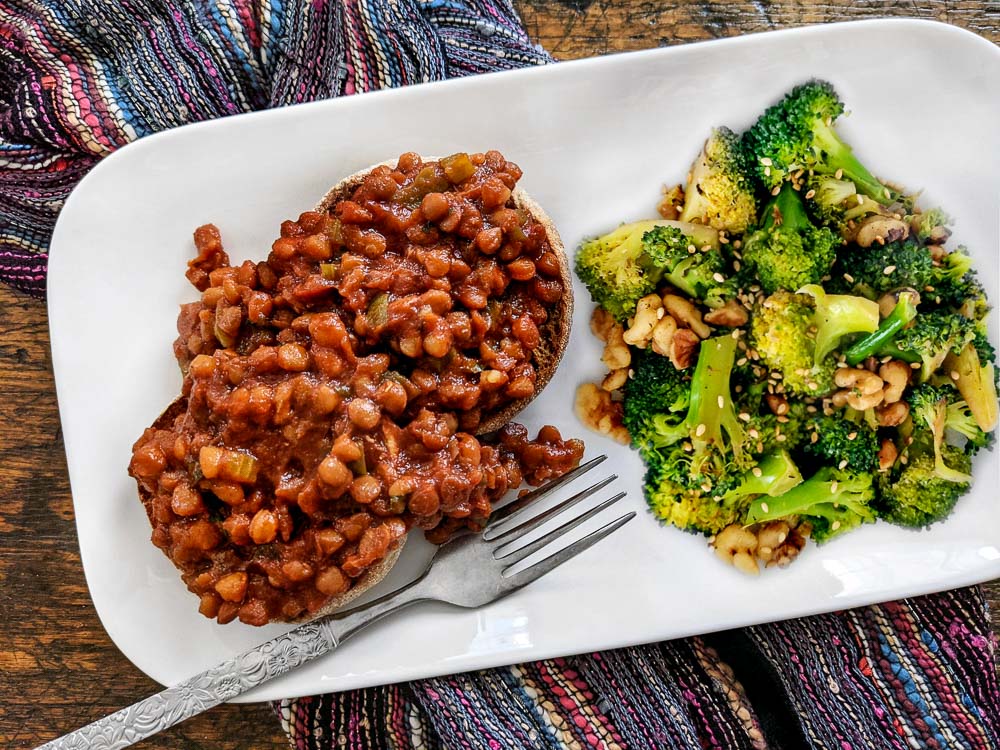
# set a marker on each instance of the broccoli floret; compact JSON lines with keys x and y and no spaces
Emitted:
{"x":657,"y":387}
{"x":699,"y":272}
{"x":719,"y":448}
{"x":838,"y":204}
{"x":909,"y":265}
{"x":914,"y":495}
{"x":929,"y":411}
{"x":788,"y":251}
{"x":798,"y":134}
{"x":839,"y":440}
{"x":834,"y":501}
{"x":931,"y":338}
{"x":796,"y":333}
{"x":954,"y":285}
{"x":678,"y":505}
{"x":900,"y":317}
{"x":618,"y":273}
{"x":933,"y":225}
{"x":719,"y":191}
{"x":958,"y":417}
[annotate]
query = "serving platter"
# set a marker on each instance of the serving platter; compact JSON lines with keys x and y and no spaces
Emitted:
{"x":596,"y":140}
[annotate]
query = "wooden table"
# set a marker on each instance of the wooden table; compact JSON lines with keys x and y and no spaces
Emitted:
{"x":58,"y":668}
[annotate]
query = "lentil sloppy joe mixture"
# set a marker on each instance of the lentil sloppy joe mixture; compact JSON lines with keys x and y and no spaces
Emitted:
{"x":332,"y":394}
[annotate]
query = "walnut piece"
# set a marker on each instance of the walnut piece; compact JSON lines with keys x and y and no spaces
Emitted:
{"x":682,"y":348}
{"x":598,"y":412}
{"x":730,"y":315}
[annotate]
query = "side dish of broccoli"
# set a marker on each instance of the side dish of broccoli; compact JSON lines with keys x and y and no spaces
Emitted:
{"x":799,"y":318}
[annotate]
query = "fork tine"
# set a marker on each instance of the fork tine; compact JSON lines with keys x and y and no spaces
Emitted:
{"x":553,"y":561}
{"x":520,"y":553}
{"x":510,"y":525}
{"x":506,"y":511}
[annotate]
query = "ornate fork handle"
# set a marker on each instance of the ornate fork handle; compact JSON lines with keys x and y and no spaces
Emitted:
{"x":231,"y":678}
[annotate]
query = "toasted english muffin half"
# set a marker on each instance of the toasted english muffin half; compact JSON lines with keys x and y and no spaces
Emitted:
{"x":367,"y":580}
{"x":556,"y":330}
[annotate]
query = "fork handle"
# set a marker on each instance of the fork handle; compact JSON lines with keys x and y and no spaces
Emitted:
{"x":233,"y":677}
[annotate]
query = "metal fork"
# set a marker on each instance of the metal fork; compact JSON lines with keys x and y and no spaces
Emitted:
{"x":469,"y":571}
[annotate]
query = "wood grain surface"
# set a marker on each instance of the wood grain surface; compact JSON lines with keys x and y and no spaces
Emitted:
{"x":58,"y":668}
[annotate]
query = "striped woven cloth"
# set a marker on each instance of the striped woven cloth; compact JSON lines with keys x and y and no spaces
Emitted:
{"x":910,"y":675}
{"x":80,"y":78}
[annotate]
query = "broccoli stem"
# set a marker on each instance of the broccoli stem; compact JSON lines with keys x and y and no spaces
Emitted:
{"x":899,"y":318}
{"x":774,"y":475}
{"x":840,"y":156}
{"x":711,"y":404}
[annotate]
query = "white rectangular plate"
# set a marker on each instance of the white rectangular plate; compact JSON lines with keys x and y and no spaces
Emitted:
{"x":596,"y":140}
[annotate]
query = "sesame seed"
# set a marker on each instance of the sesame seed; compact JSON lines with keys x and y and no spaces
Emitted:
{"x":738,"y":389}
{"x":763,"y":507}
{"x":737,"y":244}
{"x":953,"y":375}
{"x":744,"y":416}
{"x":767,"y":171}
{"x":766,"y":161}
{"x":631,"y":373}
{"x":718,"y":277}
{"x":736,"y":333}
{"x":909,"y":440}
{"x":842,"y":464}
{"x":810,"y":194}
{"x":812,"y":386}
{"x":741,"y":361}
{"x":776,"y":190}
{"x":814,"y":437}
{"x":736,"y":265}
{"x":753,"y":433}
{"x":706,"y":248}
{"x":904,"y":459}
{"x":848,"y":278}
{"x":833,"y":486}
{"x":721,"y":402}
{"x":886,"y":192}
{"x":888,"y":269}
{"x":860,"y":199}
{"x":852,"y":435}
{"x":706,"y":487}
{"x":780,"y":438}
{"x":835,"y":525}
{"x":838,"y":174}
{"x":811,"y":409}
{"x":687,"y":446}
{"x":700,"y":430}
{"x":783,"y":419}
{"x":691,"y":248}
{"x":757,"y":471}
{"x":723,"y":239}
{"x":928,"y":288}
{"x":915,"y":365}
{"x":660,"y":312}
